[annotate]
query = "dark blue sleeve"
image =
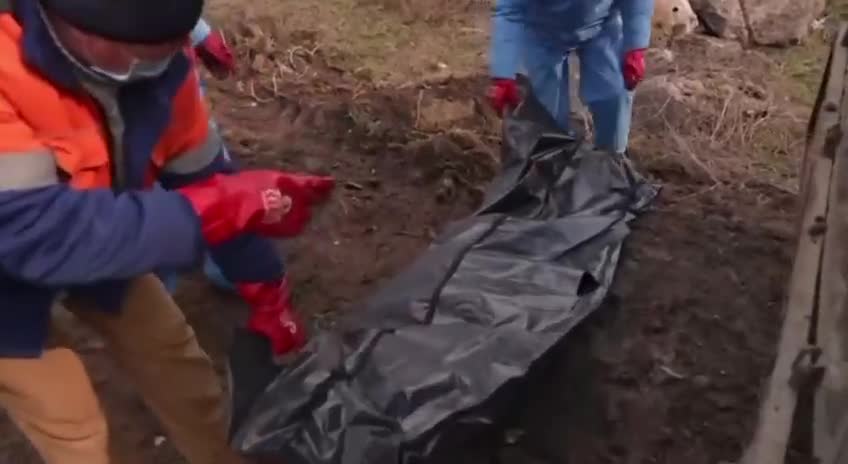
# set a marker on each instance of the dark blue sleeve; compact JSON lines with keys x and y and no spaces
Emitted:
{"x":56,"y":236}
{"x":246,"y":258}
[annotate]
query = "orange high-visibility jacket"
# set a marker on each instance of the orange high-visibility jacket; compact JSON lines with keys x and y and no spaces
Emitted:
{"x":78,"y":162}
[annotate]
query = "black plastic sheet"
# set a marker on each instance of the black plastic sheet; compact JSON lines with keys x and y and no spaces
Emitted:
{"x":427,"y":360}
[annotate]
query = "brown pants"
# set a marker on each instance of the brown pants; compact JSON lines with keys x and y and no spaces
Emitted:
{"x":53,"y":402}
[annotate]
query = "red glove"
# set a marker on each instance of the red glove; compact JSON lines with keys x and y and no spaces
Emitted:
{"x":272,"y":315}
{"x":216,"y":55}
{"x":634,"y":68}
{"x":503,"y":93}
{"x":269,"y":203}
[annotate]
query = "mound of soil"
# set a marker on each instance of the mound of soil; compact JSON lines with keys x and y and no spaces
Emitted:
{"x":671,"y":371}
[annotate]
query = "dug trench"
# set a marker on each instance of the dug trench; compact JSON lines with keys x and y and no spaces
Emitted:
{"x":669,"y":371}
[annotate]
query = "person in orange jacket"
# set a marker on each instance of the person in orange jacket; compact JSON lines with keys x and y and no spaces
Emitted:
{"x":99,"y":102}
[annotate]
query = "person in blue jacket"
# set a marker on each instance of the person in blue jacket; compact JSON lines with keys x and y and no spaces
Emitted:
{"x":610,"y":38}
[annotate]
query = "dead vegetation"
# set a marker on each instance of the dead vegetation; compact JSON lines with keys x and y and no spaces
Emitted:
{"x":434,"y":118}
{"x":721,"y":122}
{"x":725,"y":123}
{"x":382,"y":42}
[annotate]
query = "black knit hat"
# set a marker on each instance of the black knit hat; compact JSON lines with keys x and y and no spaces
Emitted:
{"x":134,"y":21}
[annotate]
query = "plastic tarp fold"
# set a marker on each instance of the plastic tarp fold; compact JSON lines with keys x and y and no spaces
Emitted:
{"x":408,"y":374}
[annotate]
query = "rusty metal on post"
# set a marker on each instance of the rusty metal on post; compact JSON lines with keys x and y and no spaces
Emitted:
{"x":815,"y":327}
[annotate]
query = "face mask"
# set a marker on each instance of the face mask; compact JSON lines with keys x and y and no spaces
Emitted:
{"x":138,"y":70}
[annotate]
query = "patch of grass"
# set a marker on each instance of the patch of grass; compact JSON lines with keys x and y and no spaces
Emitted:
{"x":803,"y":66}
{"x":838,"y":8}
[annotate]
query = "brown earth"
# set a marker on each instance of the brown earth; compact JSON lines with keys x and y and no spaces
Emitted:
{"x":669,"y":371}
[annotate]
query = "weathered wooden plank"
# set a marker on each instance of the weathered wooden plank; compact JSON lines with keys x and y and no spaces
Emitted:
{"x":777,"y":410}
{"x":830,"y":426}
{"x":813,"y":121}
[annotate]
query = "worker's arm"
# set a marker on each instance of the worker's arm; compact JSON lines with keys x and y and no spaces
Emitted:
{"x":56,"y":236}
{"x":247,"y":257}
{"x":508,"y":25}
{"x":53,"y":235}
{"x":636,"y":17}
{"x":249,"y":261}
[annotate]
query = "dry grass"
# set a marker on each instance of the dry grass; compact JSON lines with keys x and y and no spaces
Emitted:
{"x":733,"y":117}
{"x":723,"y":123}
{"x":385,"y":41}
{"x":804,"y":65}
{"x":726,"y":139}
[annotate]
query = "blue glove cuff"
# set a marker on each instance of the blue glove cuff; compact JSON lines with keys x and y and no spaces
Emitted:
{"x":200,"y":32}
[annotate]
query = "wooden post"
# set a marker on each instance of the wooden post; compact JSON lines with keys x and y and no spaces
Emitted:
{"x":830,"y":424}
{"x":771,"y":436}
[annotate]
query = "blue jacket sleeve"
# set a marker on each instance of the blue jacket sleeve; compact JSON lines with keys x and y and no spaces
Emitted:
{"x":507,"y":38}
{"x":246,"y":258}
{"x":636,"y":18}
{"x":56,"y":236}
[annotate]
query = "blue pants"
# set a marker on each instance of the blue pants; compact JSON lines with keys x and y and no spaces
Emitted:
{"x":601,"y":83}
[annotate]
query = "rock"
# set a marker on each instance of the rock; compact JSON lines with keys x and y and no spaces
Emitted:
{"x":672,"y":18}
{"x":761,"y":22}
{"x":782,"y":22}
{"x":722,"y":18}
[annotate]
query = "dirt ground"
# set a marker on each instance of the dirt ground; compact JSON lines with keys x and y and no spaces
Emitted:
{"x":389,"y":101}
